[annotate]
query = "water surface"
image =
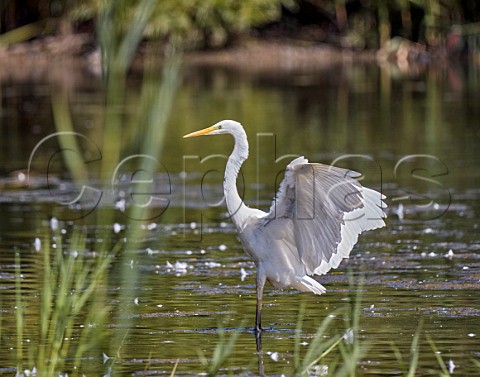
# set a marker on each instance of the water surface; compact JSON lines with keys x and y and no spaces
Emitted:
{"x":415,"y":138}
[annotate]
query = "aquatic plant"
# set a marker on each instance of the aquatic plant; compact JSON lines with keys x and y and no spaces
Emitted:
{"x":320,"y":346}
{"x":155,"y":103}
{"x":444,"y":371}
{"x":410,"y":368}
{"x":414,"y":352}
{"x":347,"y":346}
{"x":71,"y":285}
{"x":476,"y":363}
{"x":222,"y":351}
{"x":74,"y":302}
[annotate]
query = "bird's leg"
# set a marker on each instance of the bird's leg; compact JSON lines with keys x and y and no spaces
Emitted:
{"x":260,"y":284}
{"x":258,"y":318}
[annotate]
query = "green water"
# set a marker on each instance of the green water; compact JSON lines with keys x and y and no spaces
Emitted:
{"x":416,"y":138}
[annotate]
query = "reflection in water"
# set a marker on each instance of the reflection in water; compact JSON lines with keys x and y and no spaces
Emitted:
{"x":423,"y":265}
{"x":261,"y":366}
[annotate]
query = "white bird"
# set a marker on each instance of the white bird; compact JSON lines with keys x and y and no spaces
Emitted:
{"x":313,"y":223}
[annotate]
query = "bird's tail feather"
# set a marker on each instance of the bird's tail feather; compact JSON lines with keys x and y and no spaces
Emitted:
{"x":307,"y":284}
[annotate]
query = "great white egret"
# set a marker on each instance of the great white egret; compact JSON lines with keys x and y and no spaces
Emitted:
{"x":313,"y":223}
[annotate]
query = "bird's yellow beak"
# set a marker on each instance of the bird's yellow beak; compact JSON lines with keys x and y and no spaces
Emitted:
{"x":205,"y":131}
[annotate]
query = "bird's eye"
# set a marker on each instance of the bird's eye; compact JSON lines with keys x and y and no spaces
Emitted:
{"x":219,"y":127}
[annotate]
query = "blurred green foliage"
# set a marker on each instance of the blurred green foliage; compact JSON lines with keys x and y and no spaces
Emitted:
{"x":197,"y":23}
{"x":216,"y":23}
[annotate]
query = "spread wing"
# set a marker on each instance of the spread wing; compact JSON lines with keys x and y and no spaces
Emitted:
{"x":328,"y":209}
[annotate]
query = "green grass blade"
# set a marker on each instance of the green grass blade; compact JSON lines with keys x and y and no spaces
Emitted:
{"x":415,"y":351}
{"x":223,"y":350}
{"x":441,"y":363}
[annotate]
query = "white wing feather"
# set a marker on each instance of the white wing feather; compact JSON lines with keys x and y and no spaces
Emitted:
{"x":325,"y":209}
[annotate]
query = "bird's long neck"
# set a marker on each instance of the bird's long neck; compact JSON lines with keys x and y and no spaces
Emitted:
{"x":234,"y":163}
